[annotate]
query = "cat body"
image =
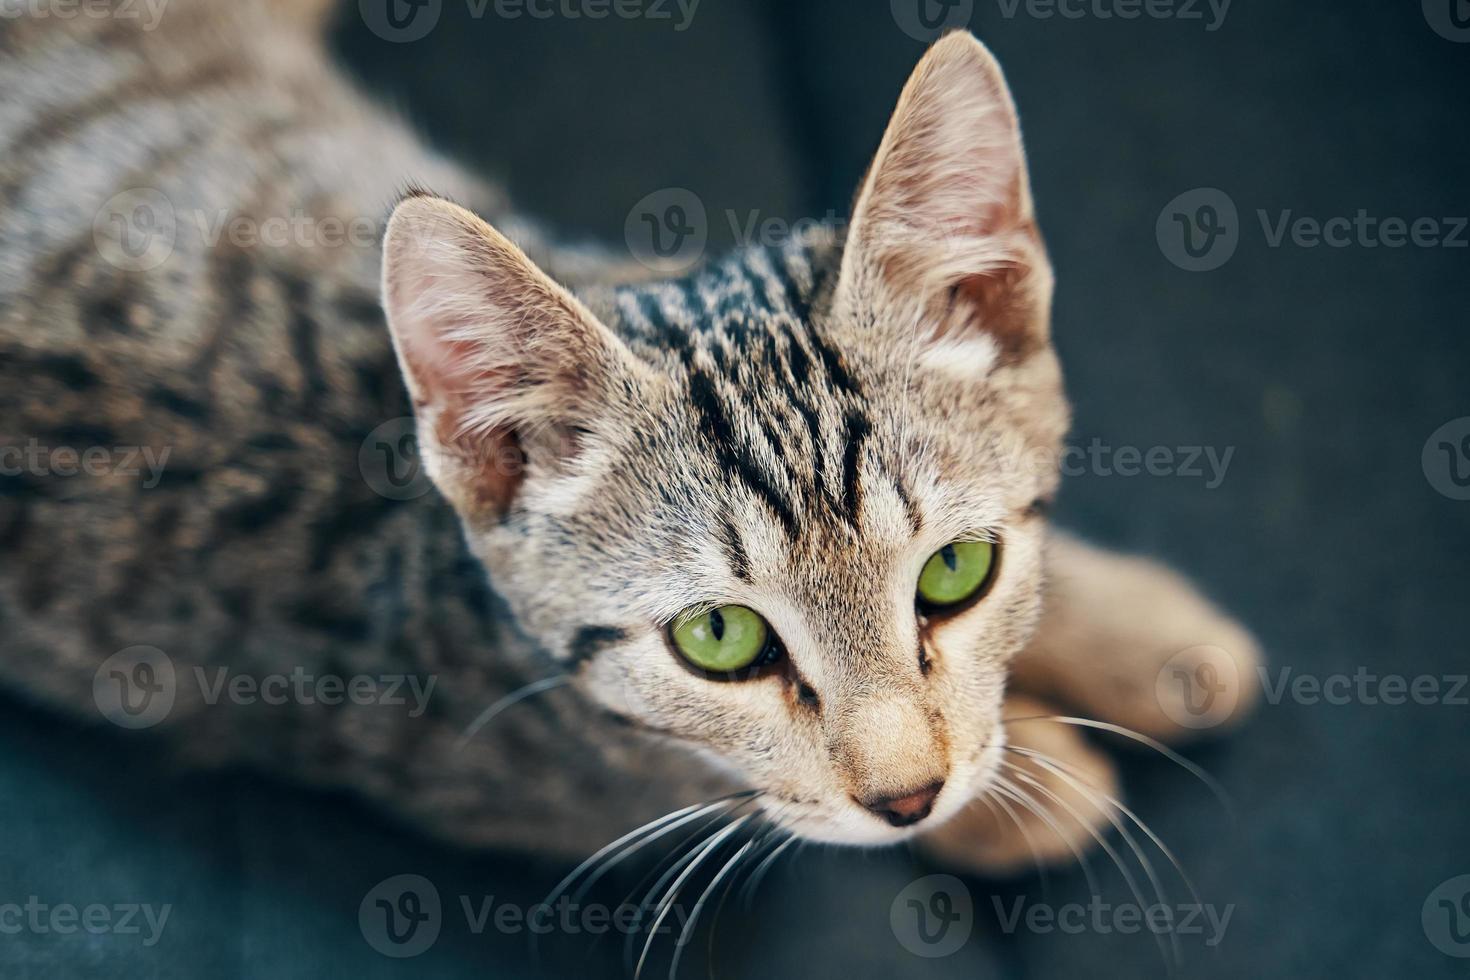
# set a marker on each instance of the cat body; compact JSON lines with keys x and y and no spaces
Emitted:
{"x":793,"y":429}
{"x":256,"y":374}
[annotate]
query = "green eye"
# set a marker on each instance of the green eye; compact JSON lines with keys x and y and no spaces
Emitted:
{"x":724,"y":639}
{"x":956,"y":572}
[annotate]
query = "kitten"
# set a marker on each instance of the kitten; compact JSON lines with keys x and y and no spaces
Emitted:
{"x":777,"y":523}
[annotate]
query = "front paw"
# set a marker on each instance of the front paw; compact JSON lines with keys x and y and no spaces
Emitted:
{"x":1125,"y":640}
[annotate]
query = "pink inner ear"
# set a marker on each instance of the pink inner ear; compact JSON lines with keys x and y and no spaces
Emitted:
{"x":500,"y":359}
{"x":1002,"y":305}
{"x":452,"y":384}
{"x":490,"y":464}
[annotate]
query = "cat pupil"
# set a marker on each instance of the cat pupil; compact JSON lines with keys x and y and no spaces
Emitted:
{"x":717,"y":624}
{"x":947,"y":553}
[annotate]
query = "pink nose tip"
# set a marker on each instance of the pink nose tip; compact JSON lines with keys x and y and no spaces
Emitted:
{"x":904,"y":811}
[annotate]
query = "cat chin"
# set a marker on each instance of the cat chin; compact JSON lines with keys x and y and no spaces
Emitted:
{"x":861,"y":829}
{"x":851,"y":830}
{"x":855,"y":828}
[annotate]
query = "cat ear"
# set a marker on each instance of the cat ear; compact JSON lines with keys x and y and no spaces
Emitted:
{"x":943,"y":231}
{"x":506,"y":368}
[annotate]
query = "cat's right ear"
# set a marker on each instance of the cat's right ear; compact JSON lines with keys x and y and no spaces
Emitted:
{"x":943,"y":233}
{"x":507,"y":369}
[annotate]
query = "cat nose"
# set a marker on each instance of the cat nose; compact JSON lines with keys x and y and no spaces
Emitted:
{"x":907,"y":810}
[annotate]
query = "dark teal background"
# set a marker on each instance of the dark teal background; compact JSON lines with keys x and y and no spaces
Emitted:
{"x":1326,"y":369}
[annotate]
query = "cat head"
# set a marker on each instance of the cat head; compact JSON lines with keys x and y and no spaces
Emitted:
{"x":779,"y":509}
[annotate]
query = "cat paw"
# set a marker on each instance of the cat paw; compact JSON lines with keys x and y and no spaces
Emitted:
{"x":1127,"y":641}
{"x":1047,"y":806}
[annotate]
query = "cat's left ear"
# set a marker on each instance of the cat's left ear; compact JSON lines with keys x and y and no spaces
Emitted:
{"x":509,"y":372}
{"x":943,"y":234}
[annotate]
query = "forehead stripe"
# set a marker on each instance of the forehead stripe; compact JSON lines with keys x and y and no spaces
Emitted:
{"x":735,"y":552}
{"x":858,"y":429}
{"x":734,"y":458}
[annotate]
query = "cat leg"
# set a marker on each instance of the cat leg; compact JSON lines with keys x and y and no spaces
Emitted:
{"x":1127,"y":641}
{"x":1048,"y":802}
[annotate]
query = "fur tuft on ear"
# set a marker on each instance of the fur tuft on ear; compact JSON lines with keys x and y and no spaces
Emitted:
{"x":943,"y":230}
{"x":506,"y":368}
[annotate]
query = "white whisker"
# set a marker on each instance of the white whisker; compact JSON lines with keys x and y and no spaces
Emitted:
{"x":753,"y":883}
{"x":673,"y":893}
{"x":686,"y":854}
{"x":1035,"y":806}
{"x":1046,"y":760}
{"x":1142,"y":739}
{"x":699,"y":905}
{"x":1102,"y":842}
{"x":515,"y":697}
{"x":1092,"y":796}
{"x":667,"y":822}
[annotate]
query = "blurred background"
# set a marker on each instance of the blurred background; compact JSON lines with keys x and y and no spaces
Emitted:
{"x":1182,"y":152}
